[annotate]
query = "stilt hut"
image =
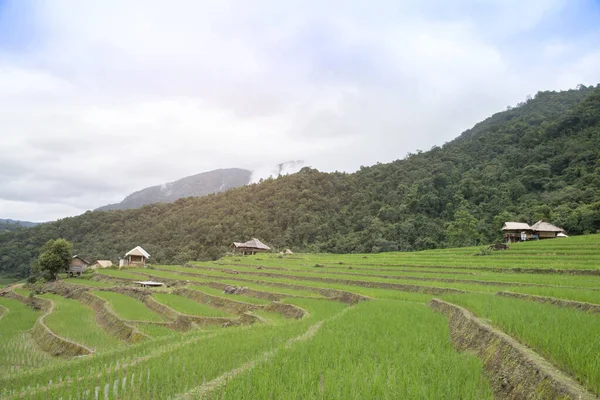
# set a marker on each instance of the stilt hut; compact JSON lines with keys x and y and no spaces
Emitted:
{"x":250,"y":247}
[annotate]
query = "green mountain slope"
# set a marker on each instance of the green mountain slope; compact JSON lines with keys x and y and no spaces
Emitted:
{"x":538,"y":160}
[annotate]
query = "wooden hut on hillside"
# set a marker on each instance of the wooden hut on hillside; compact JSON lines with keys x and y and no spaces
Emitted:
{"x":545,"y":230}
{"x":250,"y":247}
{"x":136,"y":256}
{"x":520,"y":231}
{"x":78,"y":266}
{"x":516,"y":232}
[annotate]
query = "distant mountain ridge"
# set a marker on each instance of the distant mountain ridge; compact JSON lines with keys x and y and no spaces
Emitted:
{"x":202,"y":184}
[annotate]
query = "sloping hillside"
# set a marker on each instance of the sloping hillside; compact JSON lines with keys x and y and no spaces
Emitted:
{"x":202,"y":184}
{"x":537,"y":160}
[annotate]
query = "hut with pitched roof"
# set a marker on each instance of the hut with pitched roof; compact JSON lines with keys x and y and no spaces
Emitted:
{"x":250,"y":247}
{"x":78,"y":266}
{"x":545,"y":230}
{"x":516,"y":232}
{"x":136,"y":256}
{"x":101,"y":264}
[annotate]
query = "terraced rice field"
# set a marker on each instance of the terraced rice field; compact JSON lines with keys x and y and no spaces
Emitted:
{"x":442,"y":324}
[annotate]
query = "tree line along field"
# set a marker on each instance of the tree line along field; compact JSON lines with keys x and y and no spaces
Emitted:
{"x":440,"y":324}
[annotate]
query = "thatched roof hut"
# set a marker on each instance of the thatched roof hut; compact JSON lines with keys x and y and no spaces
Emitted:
{"x":250,"y":247}
{"x":545,"y":230}
{"x":516,"y":231}
{"x":101,"y":264}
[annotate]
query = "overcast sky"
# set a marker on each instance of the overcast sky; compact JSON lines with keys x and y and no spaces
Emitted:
{"x":102,"y":98}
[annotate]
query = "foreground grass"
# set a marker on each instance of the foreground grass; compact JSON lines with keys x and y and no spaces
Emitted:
{"x":18,"y":352}
{"x":75,"y":321}
{"x":176,"y":368}
{"x":366,"y":355}
{"x":568,"y":338}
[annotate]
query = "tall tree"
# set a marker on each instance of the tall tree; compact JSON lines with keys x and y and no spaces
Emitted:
{"x":55,"y":258}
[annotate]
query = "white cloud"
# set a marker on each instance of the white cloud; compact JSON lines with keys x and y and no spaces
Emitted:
{"x":109,"y":97}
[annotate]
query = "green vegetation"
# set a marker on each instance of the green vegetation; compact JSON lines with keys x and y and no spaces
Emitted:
{"x":406,"y":357}
{"x":156,"y":331}
{"x":122,"y":273}
{"x":18,"y":352}
{"x":566,"y":337}
{"x":237,"y":297}
{"x":75,"y":321}
{"x":88,"y":282}
{"x":392,"y":345}
{"x":129,"y":308}
{"x":55,"y":258}
{"x":190,"y":307}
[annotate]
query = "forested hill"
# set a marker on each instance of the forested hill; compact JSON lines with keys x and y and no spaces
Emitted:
{"x":8,"y":225}
{"x":538,"y":160}
{"x":201,"y":184}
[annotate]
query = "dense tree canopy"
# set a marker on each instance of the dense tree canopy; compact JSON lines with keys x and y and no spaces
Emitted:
{"x":537,"y":160}
{"x":55,"y":258}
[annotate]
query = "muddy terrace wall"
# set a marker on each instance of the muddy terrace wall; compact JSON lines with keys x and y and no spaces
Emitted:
{"x":515,"y":372}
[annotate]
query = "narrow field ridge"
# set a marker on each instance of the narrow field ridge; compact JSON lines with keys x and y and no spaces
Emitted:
{"x":515,"y":371}
{"x":578,"y":305}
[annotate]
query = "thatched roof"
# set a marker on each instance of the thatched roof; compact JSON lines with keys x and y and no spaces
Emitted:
{"x":104,"y":263}
{"x":81,"y":258}
{"x":253,"y":243}
{"x":542,"y":226}
{"x":516,"y":226}
{"x":138,"y":251}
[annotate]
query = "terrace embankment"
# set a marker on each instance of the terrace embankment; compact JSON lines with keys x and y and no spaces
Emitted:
{"x":105,"y":317}
{"x":515,"y":371}
{"x":176,"y":320}
{"x":578,"y":305}
{"x":368,"y":284}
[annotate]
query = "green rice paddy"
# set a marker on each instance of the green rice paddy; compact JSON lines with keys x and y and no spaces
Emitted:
{"x":391,"y":345}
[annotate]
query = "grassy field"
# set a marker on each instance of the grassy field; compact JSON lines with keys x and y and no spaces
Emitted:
{"x":390,"y":346}
{"x":129,"y":308}
{"x":189,"y":307}
{"x":74,"y":321}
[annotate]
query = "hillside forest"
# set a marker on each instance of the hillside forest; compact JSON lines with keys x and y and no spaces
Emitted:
{"x":538,"y":160}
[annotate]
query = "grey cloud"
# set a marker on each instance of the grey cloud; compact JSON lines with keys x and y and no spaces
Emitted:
{"x":90,"y":114}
